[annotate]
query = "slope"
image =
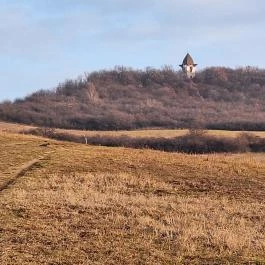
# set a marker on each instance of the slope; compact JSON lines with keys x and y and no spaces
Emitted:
{"x":218,"y":98}
{"x":98,"y":205}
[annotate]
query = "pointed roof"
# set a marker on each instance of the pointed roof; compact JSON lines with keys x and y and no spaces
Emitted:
{"x":188,"y":60}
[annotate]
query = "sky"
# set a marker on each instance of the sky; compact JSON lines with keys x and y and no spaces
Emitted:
{"x":45,"y":42}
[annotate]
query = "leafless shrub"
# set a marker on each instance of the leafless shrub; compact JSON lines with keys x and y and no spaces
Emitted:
{"x":198,"y":142}
{"x":123,"y":98}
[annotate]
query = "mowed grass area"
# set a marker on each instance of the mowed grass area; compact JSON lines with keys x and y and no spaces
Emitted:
{"x":97,"y":205}
{"x":166,"y":133}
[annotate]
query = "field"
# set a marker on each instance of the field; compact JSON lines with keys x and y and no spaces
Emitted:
{"x":170,"y":133}
{"x":82,"y":204}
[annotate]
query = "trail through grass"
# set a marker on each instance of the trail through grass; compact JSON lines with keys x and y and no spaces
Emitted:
{"x":99,"y":205}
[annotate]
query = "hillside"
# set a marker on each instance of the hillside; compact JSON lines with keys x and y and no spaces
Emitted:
{"x":81,"y":204}
{"x":218,"y":98}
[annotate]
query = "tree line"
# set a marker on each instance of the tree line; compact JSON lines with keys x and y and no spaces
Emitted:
{"x":125,"y":98}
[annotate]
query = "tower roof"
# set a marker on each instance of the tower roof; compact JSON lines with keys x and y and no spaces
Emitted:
{"x":188,"y":60}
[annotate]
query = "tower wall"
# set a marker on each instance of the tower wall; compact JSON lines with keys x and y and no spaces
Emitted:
{"x":189,"y":70}
{"x":188,"y":66}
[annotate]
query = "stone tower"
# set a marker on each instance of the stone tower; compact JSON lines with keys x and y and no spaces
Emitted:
{"x":188,"y":66}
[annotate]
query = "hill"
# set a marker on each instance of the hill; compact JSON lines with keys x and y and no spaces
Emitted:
{"x":122,"y":98}
{"x":81,"y":204}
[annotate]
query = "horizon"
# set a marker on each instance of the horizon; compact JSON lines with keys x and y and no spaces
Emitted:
{"x":198,"y":70}
{"x":45,"y":43}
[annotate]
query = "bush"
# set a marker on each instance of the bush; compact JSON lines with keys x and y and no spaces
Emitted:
{"x":123,"y":98}
{"x":198,"y":143}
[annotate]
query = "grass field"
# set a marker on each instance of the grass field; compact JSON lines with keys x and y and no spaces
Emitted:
{"x":12,"y":127}
{"x":83,"y":204}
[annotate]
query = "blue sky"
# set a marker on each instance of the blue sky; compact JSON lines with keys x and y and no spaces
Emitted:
{"x":44,"y":42}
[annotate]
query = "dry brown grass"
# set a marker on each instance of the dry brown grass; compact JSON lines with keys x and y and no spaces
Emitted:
{"x":13,"y":127}
{"x":166,"y":133}
{"x":16,"y":151}
{"x":98,"y":205}
{"x":157,"y":133}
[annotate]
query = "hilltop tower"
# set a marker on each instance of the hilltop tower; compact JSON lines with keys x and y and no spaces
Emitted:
{"x":188,"y":66}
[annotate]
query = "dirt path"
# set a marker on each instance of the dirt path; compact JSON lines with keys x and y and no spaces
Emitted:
{"x":19,"y":173}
